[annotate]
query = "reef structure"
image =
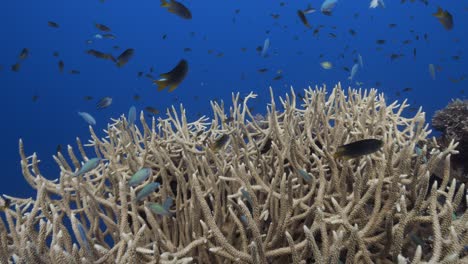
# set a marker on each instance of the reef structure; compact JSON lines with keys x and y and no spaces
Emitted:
{"x":247,"y":190}
{"x":452,"y":122}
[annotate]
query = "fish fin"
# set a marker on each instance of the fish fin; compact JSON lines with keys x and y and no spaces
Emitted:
{"x":164,"y":3}
{"x":161,"y":84}
{"x":172,"y":87}
{"x":439,"y":13}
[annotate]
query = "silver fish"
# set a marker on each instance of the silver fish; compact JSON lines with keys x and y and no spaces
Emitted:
{"x":266,"y":45}
{"x":139,"y":177}
{"x":132,"y":115}
{"x":353,"y":71}
{"x":88,"y":118}
{"x":146,"y":191}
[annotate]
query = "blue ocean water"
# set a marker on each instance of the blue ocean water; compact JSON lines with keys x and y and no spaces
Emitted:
{"x":218,"y":66}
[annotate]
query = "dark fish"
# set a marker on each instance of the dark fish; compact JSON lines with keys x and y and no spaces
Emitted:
{"x":444,"y":17}
{"x":104,"y":103}
{"x":136,"y":97}
{"x":262,"y":70}
{"x":102,"y":27}
{"x":346,"y":69}
{"x":59,"y":148}
{"x":395,"y":56}
{"x":358,"y":148}
{"x":177,"y":9}
{"x":52,"y":24}
{"x":116,"y":47}
{"x":380,"y":41}
{"x":174,"y":77}
{"x":407,"y":89}
{"x":101,"y":55}
{"x":35,"y":97}
{"x":108,"y":36}
{"x":332,"y":35}
{"x":152,"y":110}
{"x":392,"y":25}
{"x":16,"y":67}
{"x":149,"y":76}
{"x":414,"y":52}
{"x":74,"y":72}
{"x":140,"y":73}
{"x":220,"y":142}
{"x":88,"y":98}
{"x":24,"y":54}
{"x":164,"y":36}
{"x":278,"y":77}
{"x":352,"y":32}
{"x":275,"y":16}
{"x":267,"y":146}
{"x":187,"y":49}
{"x":303,"y":18}
{"x":61,"y":66}
{"x":56,"y":54}
{"x":125,"y":57}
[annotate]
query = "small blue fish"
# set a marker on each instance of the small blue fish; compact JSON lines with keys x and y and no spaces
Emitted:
{"x":139,"y":177}
{"x":88,"y":166}
{"x":246,"y":195}
{"x":132,"y":115}
{"x":162,"y":210}
{"x":88,"y":118}
{"x":146,"y":191}
{"x":306,"y":176}
{"x":419,"y":152}
{"x":243,"y":218}
{"x":83,"y":235}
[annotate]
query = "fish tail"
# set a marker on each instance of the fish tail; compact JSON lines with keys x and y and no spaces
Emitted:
{"x":172,"y":87}
{"x":161,"y":84}
{"x":339,"y":153}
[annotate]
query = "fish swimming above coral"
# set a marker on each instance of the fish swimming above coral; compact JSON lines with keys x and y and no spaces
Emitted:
{"x":174,"y":77}
{"x":88,"y":118}
{"x":358,"y":148}
{"x":177,"y":8}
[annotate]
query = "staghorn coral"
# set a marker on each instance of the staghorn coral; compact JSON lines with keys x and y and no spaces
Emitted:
{"x":246,"y":201}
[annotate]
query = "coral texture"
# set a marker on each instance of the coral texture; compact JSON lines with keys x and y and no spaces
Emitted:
{"x":248,"y":190}
{"x":452,"y":121}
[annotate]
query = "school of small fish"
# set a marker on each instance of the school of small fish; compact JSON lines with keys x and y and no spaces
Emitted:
{"x":309,"y":19}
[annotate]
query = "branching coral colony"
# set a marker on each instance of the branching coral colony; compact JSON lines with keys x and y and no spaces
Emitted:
{"x":246,"y":190}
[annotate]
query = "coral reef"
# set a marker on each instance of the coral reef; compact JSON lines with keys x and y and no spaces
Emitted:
{"x":247,"y":190}
{"x":452,"y":121}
